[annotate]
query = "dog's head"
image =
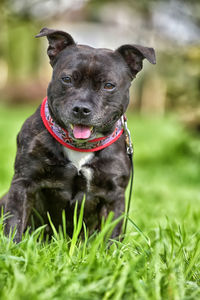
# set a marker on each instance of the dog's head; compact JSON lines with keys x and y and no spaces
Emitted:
{"x":89,"y":90}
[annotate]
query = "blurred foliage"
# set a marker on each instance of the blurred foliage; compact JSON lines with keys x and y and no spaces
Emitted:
{"x":181,"y":70}
{"x":20,"y":49}
{"x":145,"y":6}
{"x":17,"y":46}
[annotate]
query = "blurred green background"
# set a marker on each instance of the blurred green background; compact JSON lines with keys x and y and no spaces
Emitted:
{"x":164,"y":111}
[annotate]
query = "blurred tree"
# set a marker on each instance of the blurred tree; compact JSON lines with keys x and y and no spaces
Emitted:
{"x":17,"y":45}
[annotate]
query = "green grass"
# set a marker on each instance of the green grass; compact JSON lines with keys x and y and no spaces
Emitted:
{"x":160,"y":256}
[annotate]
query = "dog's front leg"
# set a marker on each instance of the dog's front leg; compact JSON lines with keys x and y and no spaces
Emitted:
{"x":117,"y":206}
{"x":18,"y":206}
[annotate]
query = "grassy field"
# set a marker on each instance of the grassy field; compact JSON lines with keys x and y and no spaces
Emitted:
{"x":160,"y":255}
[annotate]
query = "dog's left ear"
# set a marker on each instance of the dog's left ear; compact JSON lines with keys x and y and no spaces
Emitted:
{"x":134,"y":55}
{"x":58,"y":40}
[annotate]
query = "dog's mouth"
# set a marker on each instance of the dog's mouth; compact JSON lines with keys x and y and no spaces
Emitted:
{"x":81,"y":131}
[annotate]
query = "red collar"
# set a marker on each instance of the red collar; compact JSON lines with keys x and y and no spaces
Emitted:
{"x":62,"y":136}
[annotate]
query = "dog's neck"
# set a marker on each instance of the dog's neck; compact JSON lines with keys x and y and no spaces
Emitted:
{"x":62,"y":136}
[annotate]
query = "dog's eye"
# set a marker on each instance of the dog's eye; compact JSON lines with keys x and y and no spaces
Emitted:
{"x":109,"y":86}
{"x":66,"y":79}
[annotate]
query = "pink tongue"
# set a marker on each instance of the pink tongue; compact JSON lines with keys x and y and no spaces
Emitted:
{"x":81,"y":132}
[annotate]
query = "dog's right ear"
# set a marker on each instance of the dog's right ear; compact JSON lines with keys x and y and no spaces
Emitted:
{"x":134,"y":56}
{"x":58,"y":40}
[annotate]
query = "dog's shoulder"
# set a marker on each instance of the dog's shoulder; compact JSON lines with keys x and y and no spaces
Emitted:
{"x":32,"y":130}
{"x":33,"y":124}
{"x":35,"y":142}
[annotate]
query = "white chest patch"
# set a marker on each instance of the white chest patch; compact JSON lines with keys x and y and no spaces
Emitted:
{"x":79,"y":159}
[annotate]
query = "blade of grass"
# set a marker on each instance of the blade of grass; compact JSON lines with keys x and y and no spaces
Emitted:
{"x":140,"y":231}
{"x":52,"y":226}
{"x":77,"y":226}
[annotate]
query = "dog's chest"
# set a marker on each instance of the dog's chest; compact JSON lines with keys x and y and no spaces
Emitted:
{"x":79,"y":160}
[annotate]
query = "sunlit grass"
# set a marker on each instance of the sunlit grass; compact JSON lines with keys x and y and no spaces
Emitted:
{"x":160,"y":255}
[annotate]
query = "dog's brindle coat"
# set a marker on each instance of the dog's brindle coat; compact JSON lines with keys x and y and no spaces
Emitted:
{"x":89,"y":87}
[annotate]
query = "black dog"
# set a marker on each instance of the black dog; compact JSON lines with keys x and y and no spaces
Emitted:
{"x":74,"y":144}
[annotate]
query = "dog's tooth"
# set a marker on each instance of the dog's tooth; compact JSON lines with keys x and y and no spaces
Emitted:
{"x":72,"y":126}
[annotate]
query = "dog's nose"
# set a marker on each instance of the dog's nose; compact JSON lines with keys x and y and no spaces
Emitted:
{"x":81,"y":111}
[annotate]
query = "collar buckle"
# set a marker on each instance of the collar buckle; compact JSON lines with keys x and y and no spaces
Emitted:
{"x":128,"y":140}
